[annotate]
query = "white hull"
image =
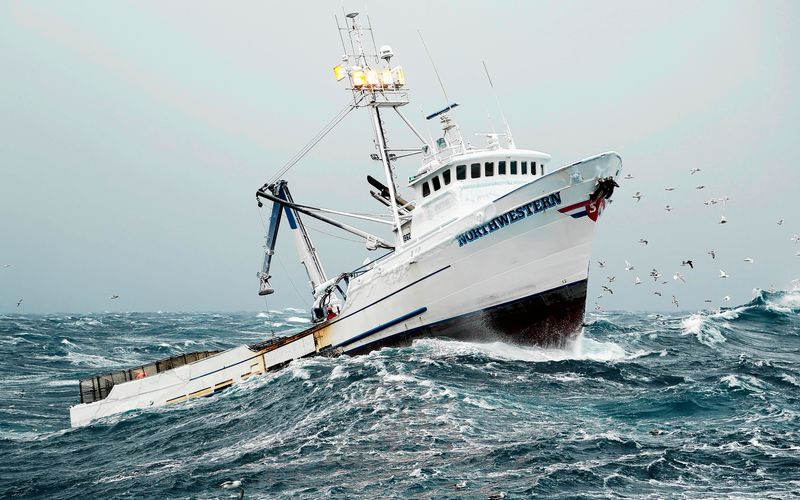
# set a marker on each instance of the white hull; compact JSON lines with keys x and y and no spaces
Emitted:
{"x":431,"y":285}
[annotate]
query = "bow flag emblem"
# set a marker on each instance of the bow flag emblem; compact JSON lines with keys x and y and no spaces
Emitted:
{"x":591,"y":208}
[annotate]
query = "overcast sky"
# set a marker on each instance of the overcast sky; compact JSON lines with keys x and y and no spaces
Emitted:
{"x":133,"y":136}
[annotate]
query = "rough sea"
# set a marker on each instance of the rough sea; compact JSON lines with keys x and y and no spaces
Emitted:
{"x":687,"y":405}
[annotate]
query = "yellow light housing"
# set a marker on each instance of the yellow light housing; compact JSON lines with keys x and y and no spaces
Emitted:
{"x":386,"y":78}
{"x":358,"y":78}
{"x":399,"y":76}
{"x":372,"y":78}
{"x":339,"y":72}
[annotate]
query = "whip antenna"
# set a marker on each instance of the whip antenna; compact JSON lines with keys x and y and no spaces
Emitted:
{"x":430,"y":58}
{"x":499,"y":106}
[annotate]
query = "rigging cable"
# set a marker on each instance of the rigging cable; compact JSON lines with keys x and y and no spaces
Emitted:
{"x":320,"y":135}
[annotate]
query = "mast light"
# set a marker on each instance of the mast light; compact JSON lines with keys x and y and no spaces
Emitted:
{"x":372,"y":78}
{"x":339,"y":72}
{"x":358,"y":78}
{"x":399,"y":76}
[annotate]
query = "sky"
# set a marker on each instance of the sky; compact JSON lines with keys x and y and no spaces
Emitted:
{"x":133,"y":136}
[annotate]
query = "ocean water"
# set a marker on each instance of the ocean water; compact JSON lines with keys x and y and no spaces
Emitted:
{"x":692,"y":405}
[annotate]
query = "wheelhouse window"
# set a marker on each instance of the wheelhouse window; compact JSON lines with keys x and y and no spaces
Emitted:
{"x":489,"y":169}
{"x":426,"y":189}
{"x":436,"y":184}
{"x":461,"y":172}
{"x":446,"y":177}
{"x":533,"y":168}
{"x":475,"y":170}
{"x":524,"y":168}
{"x":501,"y":168}
{"x":513,"y":168}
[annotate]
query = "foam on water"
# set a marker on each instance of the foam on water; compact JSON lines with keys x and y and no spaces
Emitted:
{"x":702,"y":405}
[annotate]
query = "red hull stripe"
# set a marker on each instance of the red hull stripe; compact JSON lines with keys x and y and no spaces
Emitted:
{"x":573,"y":207}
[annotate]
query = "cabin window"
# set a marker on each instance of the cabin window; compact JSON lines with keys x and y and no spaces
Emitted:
{"x":475,"y":170}
{"x":446,"y":177}
{"x":489,"y":169}
{"x":542,"y":167}
{"x":426,"y":190}
{"x":501,"y":168}
{"x":436,"y":184}
{"x":533,"y":168}
{"x":461,"y":172}
{"x":513,"y":168}
{"x":524,"y":168}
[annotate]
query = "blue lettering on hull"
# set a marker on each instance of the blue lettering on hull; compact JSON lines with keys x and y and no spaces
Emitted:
{"x":506,"y":219}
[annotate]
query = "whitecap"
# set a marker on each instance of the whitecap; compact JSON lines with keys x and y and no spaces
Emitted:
{"x":698,"y":325}
{"x":295,"y":319}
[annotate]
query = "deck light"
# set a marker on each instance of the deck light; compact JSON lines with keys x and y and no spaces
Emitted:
{"x":339,"y":72}
{"x":358,"y":78}
{"x":399,"y":76}
{"x":372,"y":78}
{"x":386,"y":78}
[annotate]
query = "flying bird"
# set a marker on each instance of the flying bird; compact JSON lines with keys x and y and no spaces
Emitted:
{"x":669,"y":189}
{"x":726,"y":298}
{"x":693,"y":171}
{"x":699,"y":187}
{"x":605,"y":288}
{"x":749,"y":259}
{"x":611,"y":278}
{"x":643,"y":241}
{"x":6,"y":265}
{"x":678,"y":276}
{"x":637,"y":196}
{"x":780,"y":222}
{"x":657,"y":293}
{"x":723,"y":220}
{"x":638,"y":281}
{"x":675,"y":301}
{"x":668,"y":208}
{"x":687,"y":263}
{"x":655,"y":275}
{"x":229,"y":485}
{"x":601,"y":263}
{"x":19,"y":302}
{"x":722,"y":274}
{"x":114,"y":296}
{"x":795,"y":238}
{"x":628,"y":177}
{"x":712,"y":254}
{"x":707,"y":301}
{"x":628,"y":266}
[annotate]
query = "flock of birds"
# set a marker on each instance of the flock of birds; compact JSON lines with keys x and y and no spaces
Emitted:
{"x":656,"y":275}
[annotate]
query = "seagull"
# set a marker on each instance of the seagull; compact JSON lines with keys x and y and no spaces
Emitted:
{"x":611,"y":279}
{"x":726,"y":298}
{"x":637,"y":196}
{"x":628,"y":177}
{"x":723,"y":220}
{"x":601,"y":263}
{"x":699,"y":187}
{"x":712,"y":201}
{"x":678,"y":276}
{"x":669,"y":189}
{"x":712,"y":254}
{"x":229,"y":485}
{"x":722,"y":274}
{"x":643,"y":241}
{"x":628,"y":266}
{"x":605,"y":288}
{"x":707,"y":301}
{"x":668,"y":208}
{"x":780,"y":222}
{"x":638,"y":281}
{"x":6,"y":265}
{"x":693,"y":171}
{"x":749,"y":259}
{"x":675,"y":301}
{"x":19,"y":302}
{"x":655,"y":274}
{"x":600,"y":296}
{"x":795,"y":238}
{"x":687,"y":263}
{"x":114,"y":296}
{"x":597,"y":307}
{"x":657,"y":293}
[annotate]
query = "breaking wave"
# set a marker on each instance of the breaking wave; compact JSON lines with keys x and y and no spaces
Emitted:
{"x":640,"y":405}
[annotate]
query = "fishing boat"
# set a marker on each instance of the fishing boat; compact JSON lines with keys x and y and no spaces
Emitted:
{"x":494,"y":244}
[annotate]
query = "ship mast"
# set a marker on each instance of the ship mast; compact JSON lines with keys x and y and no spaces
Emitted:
{"x":375,"y":84}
